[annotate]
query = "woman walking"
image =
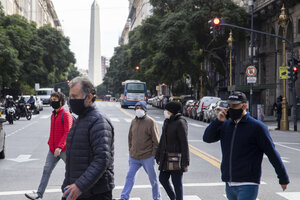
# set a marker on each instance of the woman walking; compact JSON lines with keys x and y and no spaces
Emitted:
{"x":173,"y":153}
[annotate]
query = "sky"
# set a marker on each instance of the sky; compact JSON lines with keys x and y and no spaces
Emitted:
{"x":75,"y":16}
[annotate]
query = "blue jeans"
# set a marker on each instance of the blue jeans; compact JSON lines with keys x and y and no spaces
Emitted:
{"x":176,"y":176}
{"x":50,"y":164}
{"x":148,"y":165}
{"x":243,"y":192}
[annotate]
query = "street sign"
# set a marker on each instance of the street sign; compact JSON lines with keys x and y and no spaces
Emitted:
{"x":251,"y":79}
{"x":251,"y":71}
{"x":157,"y":88}
{"x":283,"y":72}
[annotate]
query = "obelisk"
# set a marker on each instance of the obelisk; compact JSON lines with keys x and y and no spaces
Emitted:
{"x":95,"y":74}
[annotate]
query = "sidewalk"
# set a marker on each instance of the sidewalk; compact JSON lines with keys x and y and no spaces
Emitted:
{"x":271,"y":122}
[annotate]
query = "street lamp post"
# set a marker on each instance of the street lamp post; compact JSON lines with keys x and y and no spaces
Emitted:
{"x":250,"y":3}
{"x":230,"y":41}
{"x":284,"y":123}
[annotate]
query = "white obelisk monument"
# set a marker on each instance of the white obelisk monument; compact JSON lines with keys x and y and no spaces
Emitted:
{"x":95,"y":73}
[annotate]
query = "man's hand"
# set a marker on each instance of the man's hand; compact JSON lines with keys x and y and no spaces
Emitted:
{"x":222,"y":115}
{"x":284,"y":187}
{"x":57,"y":152}
{"x":73,"y":191}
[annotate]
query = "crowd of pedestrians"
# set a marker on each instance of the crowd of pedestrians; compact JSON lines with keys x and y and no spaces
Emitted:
{"x":86,"y":145}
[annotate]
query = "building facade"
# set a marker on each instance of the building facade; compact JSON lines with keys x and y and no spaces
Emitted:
{"x":138,"y":11}
{"x":41,"y":12}
{"x":104,"y":65}
{"x":267,"y":52}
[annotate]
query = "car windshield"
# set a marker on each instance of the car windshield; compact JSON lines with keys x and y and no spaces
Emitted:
{"x":136,"y":86}
{"x":223,"y":105}
{"x":43,"y":92}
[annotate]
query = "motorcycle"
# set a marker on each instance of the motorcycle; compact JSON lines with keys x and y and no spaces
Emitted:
{"x":10,"y":115}
{"x":24,"y":111}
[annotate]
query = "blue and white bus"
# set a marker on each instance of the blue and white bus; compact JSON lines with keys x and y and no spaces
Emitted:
{"x":134,"y":91}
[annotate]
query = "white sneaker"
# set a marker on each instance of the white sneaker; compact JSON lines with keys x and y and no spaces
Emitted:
{"x":32,"y":195}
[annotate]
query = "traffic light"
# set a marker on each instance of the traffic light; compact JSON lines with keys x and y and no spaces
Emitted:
{"x":137,"y":68}
{"x":295,"y":73}
{"x":216,"y":25}
{"x":290,"y":73}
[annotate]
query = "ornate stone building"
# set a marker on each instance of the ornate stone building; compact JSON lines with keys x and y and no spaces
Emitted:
{"x":268,"y":51}
{"x":138,"y":11}
{"x":42,"y":12}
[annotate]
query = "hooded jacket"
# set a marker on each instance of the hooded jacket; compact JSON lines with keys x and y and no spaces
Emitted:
{"x":243,"y":146}
{"x":59,"y":129}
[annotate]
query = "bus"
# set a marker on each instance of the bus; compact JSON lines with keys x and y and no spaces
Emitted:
{"x":134,"y":91}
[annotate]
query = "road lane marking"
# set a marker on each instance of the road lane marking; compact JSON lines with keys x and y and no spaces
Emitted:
{"x":197,"y":125}
{"x":128,"y":120}
{"x":22,"y":158}
{"x":276,"y":143}
{"x":16,"y":131}
{"x":207,"y":157}
{"x":191,"y":197}
{"x":126,"y":113}
{"x":45,"y":116}
{"x":290,"y":195}
{"x":114,"y":120}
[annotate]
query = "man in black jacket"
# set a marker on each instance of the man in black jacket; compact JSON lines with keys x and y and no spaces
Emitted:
{"x":90,"y":147}
{"x":244,"y":141}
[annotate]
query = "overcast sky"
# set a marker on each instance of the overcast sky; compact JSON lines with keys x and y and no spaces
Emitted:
{"x":75,"y":16}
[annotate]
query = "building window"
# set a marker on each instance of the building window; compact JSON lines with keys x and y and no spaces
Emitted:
{"x":298,"y":26}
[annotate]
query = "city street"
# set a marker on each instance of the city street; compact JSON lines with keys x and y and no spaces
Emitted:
{"x":26,"y":150}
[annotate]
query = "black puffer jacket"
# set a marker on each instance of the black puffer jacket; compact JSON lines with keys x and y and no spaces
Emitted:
{"x":173,"y":140}
{"x":90,"y":154}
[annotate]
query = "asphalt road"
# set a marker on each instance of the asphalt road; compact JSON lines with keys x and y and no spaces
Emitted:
{"x":26,"y":150}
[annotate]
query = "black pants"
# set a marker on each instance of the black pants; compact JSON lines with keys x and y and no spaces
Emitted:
{"x":102,"y":196}
{"x":278,"y":119}
{"x":176,"y":177}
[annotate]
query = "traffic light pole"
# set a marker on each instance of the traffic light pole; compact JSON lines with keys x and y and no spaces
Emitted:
{"x":251,"y":59}
{"x":293,"y":63}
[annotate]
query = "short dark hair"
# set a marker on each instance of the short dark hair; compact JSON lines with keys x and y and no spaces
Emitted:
{"x":61,"y":97}
{"x":86,"y":86}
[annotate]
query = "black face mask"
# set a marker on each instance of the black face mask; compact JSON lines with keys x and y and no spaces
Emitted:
{"x":77,"y":106}
{"x":235,"y":113}
{"x":55,"y":104}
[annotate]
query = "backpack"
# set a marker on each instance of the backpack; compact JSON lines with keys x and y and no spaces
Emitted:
{"x":62,"y":117}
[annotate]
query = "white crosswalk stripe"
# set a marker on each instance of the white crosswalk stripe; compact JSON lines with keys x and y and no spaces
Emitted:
{"x":191,"y":197}
{"x":290,"y":195}
{"x":45,"y":116}
{"x":114,"y":119}
{"x":128,"y":120}
{"x":197,"y":125}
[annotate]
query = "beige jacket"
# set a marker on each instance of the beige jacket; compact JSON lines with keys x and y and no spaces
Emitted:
{"x":143,"y":138}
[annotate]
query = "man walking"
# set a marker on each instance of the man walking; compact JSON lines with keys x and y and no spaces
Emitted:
{"x":244,"y":141}
{"x":143,"y":143}
{"x":61,"y":123}
{"x":90,"y":147}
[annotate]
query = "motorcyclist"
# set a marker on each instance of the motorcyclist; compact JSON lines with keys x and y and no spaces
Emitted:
{"x":21,"y":105}
{"x":9,"y":102}
{"x":31,"y":101}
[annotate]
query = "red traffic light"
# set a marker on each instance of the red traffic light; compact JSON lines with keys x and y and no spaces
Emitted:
{"x":216,"y":21}
{"x":137,"y":67}
{"x":295,"y":69}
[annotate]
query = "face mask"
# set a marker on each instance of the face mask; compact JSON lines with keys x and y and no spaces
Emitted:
{"x":235,"y":113}
{"x":166,"y":114}
{"x":55,"y":104}
{"x":77,"y":106}
{"x":139,"y":113}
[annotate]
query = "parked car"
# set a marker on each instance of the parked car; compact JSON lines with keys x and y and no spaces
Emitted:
{"x":39,"y":103}
{"x":208,"y":112}
{"x":2,"y":139}
{"x":190,"y":109}
{"x":194,"y":110}
{"x":204,"y":103}
{"x":186,"y":106}
{"x":219,"y":105}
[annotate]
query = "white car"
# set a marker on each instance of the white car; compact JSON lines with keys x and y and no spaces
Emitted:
{"x":39,"y":103}
{"x":2,"y":138}
{"x":204,"y":103}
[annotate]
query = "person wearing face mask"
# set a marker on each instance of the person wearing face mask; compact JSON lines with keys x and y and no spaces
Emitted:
{"x":173,"y":140}
{"x":89,"y":171}
{"x":244,"y":141}
{"x":61,"y":123}
{"x":142,"y":143}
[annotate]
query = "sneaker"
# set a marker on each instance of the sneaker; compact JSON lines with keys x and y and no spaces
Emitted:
{"x":32,"y":196}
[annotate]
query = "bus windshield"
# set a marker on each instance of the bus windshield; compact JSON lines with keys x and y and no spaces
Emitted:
{"x":136,"y":87}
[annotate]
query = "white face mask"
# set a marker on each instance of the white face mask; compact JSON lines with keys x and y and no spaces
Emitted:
{"x":139,"y":113}
{"x":166,"y":114}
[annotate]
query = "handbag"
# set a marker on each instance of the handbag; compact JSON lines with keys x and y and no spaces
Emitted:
{"x":173,"y":161}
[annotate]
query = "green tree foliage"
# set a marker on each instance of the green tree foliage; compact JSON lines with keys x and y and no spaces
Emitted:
{"x":30,"y":55}
{"x":166,"y":46}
